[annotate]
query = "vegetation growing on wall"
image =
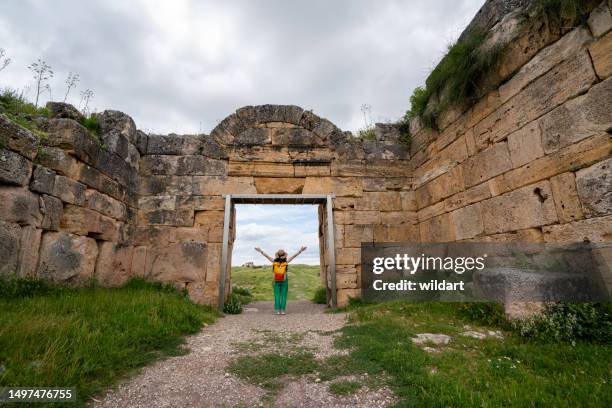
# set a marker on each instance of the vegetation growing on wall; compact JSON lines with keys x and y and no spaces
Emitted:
{"x":458,"y":80}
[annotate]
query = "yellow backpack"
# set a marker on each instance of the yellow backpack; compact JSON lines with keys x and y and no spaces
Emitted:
{"x":280,"y":270}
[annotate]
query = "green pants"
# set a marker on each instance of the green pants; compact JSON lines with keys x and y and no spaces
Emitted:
{"x":280,"y":294}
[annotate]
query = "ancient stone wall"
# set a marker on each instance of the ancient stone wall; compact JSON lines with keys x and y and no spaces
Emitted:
{"x":531,"y":161}
{"x":68,"y":198}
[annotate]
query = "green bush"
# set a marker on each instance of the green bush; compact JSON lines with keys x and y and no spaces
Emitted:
{"x":244,"y":295}
{"x":233,"y":305}
{"x":485,"y":313}
{"x":91,"y":123}
{"x":13,"y":288}
{"x":367,"y":133}
{"x":320,"y":296}
{"x":569,"y":322}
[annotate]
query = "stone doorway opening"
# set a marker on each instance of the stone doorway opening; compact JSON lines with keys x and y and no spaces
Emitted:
{"x":325,"y":233}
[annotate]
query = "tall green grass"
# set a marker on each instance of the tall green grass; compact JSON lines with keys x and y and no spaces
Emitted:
{"x":304,"y":280}
{"x":89,"y":338}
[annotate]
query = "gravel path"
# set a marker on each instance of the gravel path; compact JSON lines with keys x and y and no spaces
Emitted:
{"x":199,"y":379}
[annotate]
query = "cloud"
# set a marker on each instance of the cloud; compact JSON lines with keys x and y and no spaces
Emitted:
{"x":274,"y":227}
{"x":184,"y":65}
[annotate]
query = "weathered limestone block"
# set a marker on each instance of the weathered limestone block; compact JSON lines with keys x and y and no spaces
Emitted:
{"x":10,"y":245}
{"x":117,"y":122}
{"x":28,"y":253}
{"x":191,"y":165}
{"x":346,"y":281}
{"x":601,"y":51}
{"x":67,"y":258}
{"x":213,"y":262}
{"x":312,"y":169}
{"x":219,"y":185}
{"x":83,"y":221}
{"x":14,"y":168}
{"x":467,"y":221}
{"x":278,"y":185}
{"x":448,"y":158}
{"x":408,"y":200}
{"x":600,"y":20}
{"x":563,"y":82}
{"x":262,"y":169}
{"x":437,"y":229}
{"x":596,"y":230}
{"x":253,"y":137}
{"x":179,"y":218}
{"x":375,"y":150}
{"x":530,"y":235}
{"x":398,"y":217}
{"x":381,"y":201}
{"x":570,"y":158}
{"x":396,"y":233}
{"x":56,"y":159}
{"x":487,"y":164}
{"x":63,"y":110}
{"x":384,"y":183}
{"x":20,"y":206}
{"x":180,"y":262}
{"x":357,"y":217}
{"x":566,"y":198}
{"x":43,"y":180}
{"x":175,"y":144}
{"x":52,"y":210}
{"x":16,"y":138}
{"x":209,"y":217}
{"x":578,"y":119}
{"x":348,"y":256}
{"x":525,"y":145}
{"x":594,"y":186}
{"x":467,"y":197}
{"x":441,"y":187}
{"x":114,"y":264}
{"x":139,"y":261}
{"x":69,"y":191}
{"x":200,"y":203}
{"x":160,"y":202}
{"x":294,"y":137}
{"x":529,"y":206}
{"x":133,"y":157}
{"x":431,"y":211}
{"x":354,"y":235}
{"x":167,"y":185}
{"x":142,"y":140}
{"x":544,"y":60}
{"x":154,"y":235}
{"x":105,"y":204}
{"x":118,"y":169}
{"x":340,"y":186}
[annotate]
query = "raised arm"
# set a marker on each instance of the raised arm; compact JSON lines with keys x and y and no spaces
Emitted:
{"x":302,"y":249}
{"x":258,"y":249}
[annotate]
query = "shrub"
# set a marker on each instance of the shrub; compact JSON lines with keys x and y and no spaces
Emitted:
{"x":91,"y":123}
{"x":569,"y":322}
{"x":367,"y":133}
{"x":486,"y":313}
{"x":244,"y":295}
{"x":233,"y":305}
{"x":320,"y":296}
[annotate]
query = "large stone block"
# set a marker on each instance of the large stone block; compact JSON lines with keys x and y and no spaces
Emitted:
{"x":28,"y":253}
{"x":14,"y":168}
{"x":443,"y":161}
{"x":180,"y":262}
{"x":262,"y":169}
{"x":408,"y":200}
{"x":200,"y":203}
{"x":381,"y":201}
{"x":10,"y":245}
{"x":578,"y":119}
{"x":594,"y":186}
{"x":105,"y":204}
{"x":312,"y":169}
{"x":357,"y":217}
{"x":385,"y":183}
{"x":118,"y":169}
{"x":566,"y":198}
{"x":179,"y":218}
{"x":571,"y":158}
{"x":219,"y":185}
{"x":67,"y":258}
{"x":467,"y":221}
{"x":182,"y":165}
{"x":20,"y":206}
{"x":17,"y":138}
{"x":79,"y":220}
{"x":601,"y":52}
{"x":167,"y":185}
{"x":348,"y":256}
{"x":160,"y":202}
{"x":525,"y":145}
{"x":354,"y":235}
{"x":398,"y":217}
{"x":209,"y":217}
{"x":117,"y":122}
{"x":295,"y":137}
{"x":43,"y":180}
{"x":600,"y":20}
{"x":114,"y":264}
{"x":467,"y":197}
{"x":340,"y":186}
{"x":441,"y":187}
{"x":595,"y":230}
{"x":279,"y":185}
{"x":396,"y":233}
{"x":63,"y":110}
{"x":69,"y":191}
{"x":52,"y":210}
{"x":565,"y":81}
{"x":437,"y":229}
{"x":529,"y":206}
{"x":487,"y":164}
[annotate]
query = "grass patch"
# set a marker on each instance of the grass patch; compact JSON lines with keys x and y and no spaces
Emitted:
{"x":92,"y":124}
{"x":369,"y":133}
{"x":91,"y":337}
{"x":513,"y":371}
{"x":244,"y":295}
{"x":344,"y":387}
{"x":268,"y":370}
{"x":22,"y":112}
{"x":232,"y":305}
{"x":320,"y":296}
{"x":304,"y":280}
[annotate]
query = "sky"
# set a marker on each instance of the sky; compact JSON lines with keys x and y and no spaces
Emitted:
{"x":274,"y":227}
{"x":182,"y":66}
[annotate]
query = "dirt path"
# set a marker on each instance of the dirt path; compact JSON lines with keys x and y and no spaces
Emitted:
{"x":200,"y":379}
